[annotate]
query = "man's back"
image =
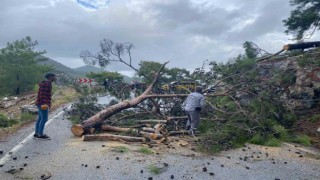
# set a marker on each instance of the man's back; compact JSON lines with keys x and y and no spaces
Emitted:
{"x":194,"y":100}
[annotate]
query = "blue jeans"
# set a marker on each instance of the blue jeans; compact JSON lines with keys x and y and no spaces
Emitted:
{"x":41,"y":121}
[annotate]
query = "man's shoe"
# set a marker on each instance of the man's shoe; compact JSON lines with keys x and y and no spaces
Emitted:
{"x":44,"y":137}
{"x":35,"y":135}
{"x":191,"y":132}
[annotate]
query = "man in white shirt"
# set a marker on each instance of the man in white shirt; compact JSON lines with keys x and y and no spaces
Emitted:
{"x":194,"y":103}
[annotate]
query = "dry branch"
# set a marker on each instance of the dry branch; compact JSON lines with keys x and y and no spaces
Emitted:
{"x":151,"y":121}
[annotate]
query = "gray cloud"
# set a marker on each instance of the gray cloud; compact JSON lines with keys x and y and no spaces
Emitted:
{"x":186,"y":32}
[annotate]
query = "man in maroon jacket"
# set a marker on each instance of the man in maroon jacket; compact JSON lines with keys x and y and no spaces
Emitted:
{"x":44,"y":103}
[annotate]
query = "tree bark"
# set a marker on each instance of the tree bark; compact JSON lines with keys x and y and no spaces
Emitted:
{"x":116,"y":129}
{"x":112,"y":137}
{"x":104,"y":114}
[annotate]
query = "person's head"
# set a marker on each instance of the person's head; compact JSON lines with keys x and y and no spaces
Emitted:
{"x":51,"y":77}
{"x":199,"y":89}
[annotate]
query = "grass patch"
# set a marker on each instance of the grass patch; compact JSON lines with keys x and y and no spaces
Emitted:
{"x":257,"y":139}
{"x":153,"y":169}
{"x":66,"y":95}
{"x":145,"y":150}
{"x":26,"y":117}
{"x":302,"y":139}
{"x":273,"y":142}
{"x":120,"y":149}
{"x":280,"y":132}
{"x":5,"y":122}
{"x":315,"y":118}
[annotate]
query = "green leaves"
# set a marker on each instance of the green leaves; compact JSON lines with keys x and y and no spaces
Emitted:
{"x":19,"y":69}
{"x":304,"y":18}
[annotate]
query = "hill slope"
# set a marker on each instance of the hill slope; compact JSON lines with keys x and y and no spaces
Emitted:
{"x":79,"y":72}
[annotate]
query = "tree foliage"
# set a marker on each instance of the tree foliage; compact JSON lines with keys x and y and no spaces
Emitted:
{"x":102,"y":76}
{"x":110,"y":51}
{"x":304,"y":20}
{"x":19,"y":68}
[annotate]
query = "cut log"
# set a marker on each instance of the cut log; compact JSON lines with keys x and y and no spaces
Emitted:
{"x":150,"y":121}
{"x":115,"y":129}
{"x":112,"y":137}
{"x":106,"y":113}
{"x":77,"y":130}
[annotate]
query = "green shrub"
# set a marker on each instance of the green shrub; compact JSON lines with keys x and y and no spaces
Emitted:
{"x":288,"y":120}
{"x":257,"y":139}
{"x":204,"y":126}
{"x":5,"y":122}
{"x":304,"y":61}
{"x":315,"y":118}
{"x":280,"y":132}
{"x":302,"y":139}
{"x":25,"y":117}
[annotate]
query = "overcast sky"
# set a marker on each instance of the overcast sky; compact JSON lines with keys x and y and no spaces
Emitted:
{"x":184,"y":32}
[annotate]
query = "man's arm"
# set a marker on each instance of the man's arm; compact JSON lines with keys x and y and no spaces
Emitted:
{"x":202,"y":101}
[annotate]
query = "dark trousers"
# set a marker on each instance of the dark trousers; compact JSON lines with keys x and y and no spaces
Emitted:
{"x":193,"y":119}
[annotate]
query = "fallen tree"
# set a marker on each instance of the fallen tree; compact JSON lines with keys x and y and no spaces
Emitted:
{"x":80,"y":129}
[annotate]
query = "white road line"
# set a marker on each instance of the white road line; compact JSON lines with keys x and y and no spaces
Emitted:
{"x":7,"y":157}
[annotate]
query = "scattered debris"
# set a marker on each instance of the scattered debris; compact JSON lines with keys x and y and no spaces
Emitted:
{"x":205,"y":169}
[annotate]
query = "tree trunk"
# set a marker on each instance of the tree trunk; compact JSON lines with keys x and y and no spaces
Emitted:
{"x":104,"y":114}
{"x":150,"y":136}
{"x":116,"y":129}
{"x":301,"y":46}
{"x":112,"y":137}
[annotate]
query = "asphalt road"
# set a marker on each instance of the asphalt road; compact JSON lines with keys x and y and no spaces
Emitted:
{"x":68,"y":157}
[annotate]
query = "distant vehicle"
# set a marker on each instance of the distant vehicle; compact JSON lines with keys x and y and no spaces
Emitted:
{"x":180,"y":86}
{"x":138,"y":85}
{"x":210,"y":89}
